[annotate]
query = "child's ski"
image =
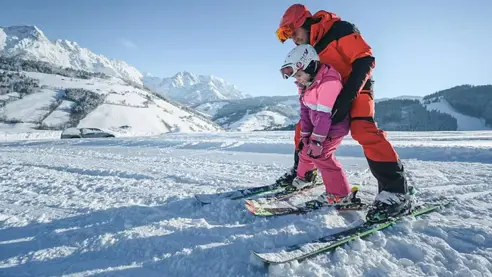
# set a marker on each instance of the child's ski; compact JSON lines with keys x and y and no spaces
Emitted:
{"x":273,"y":190}
{"x":299,"y":203}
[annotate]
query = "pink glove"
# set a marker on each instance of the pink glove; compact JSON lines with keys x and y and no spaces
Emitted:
{"x":315,"y":149}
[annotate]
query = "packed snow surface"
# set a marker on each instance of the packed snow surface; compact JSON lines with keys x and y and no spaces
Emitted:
{"x":125,"y":207}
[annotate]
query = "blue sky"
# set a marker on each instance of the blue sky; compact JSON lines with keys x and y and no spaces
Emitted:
{"x":420,"y":46}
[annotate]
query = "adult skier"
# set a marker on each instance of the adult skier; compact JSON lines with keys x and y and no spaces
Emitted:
{"x":340,"y":44}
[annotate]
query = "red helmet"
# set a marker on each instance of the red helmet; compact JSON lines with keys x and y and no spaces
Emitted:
{"x":292,"y":19}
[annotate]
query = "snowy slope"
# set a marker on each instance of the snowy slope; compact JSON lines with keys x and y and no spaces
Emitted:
{"x":465,"y":122}
{"x":125,"y":207}
{"x":253,"y":113}
{"x":210,"y":108}
{"x":123,"y":105}
{"x":29,"y":42}
{"x":259,"y":121}
{"x":191,"y":89}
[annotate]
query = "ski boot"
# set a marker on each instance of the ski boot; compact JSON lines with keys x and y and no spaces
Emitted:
{"x":310,"y":178}
{"x":287,"y":178}
{"x":389,"y":204}
{"x":327,"y":199}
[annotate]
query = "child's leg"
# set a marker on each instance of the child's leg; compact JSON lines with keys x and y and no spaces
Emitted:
{"x":305,"y":163}
{"x":333,"y":175}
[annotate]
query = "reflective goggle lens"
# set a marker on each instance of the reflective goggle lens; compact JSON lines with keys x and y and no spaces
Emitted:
{"x":284,"y":33}
{"x":287,"y":71}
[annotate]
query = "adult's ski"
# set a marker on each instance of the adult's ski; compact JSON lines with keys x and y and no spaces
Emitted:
{"x":327,"y":243}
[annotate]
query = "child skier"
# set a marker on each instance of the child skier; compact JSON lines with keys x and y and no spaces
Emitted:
{"x":319,"y":85}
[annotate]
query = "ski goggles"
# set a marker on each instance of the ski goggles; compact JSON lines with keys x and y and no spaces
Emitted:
{"x":287,"y":71}
{"x":284,"y":33}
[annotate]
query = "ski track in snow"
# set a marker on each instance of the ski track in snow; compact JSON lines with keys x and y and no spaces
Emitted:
{"x":125,"y":207}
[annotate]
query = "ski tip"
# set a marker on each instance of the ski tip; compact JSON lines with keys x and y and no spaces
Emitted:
{"x":258,"y":259}
{"x":201,"y":201}
{"x":250,"y":207}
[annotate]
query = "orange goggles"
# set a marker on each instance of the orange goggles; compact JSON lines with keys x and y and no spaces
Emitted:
{"x":284,"y":33}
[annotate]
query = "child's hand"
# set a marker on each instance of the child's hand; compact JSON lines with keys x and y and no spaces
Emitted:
{"x":303,"y":142}
{"x":315,"y":149}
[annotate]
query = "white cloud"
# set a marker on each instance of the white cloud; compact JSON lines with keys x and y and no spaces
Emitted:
{"x":128,"y":43}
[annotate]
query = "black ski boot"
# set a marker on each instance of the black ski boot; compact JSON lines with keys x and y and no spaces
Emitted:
{"x":390,"y":204}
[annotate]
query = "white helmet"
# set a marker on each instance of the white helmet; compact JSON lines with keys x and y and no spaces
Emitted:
{"x":299,"y":58}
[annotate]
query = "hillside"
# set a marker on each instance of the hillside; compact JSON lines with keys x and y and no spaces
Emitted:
{"x":411,"y":115}
{"x":470,"y":105}
{"x":44,"y":96}
{"x":254,"y":113}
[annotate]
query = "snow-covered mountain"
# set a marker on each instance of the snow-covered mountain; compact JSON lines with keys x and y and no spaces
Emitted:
{"x":32,"y":95}
{"x":191,"y":89}
{"x":29,"y":42}
{"x":465,"y":122}
{"x":254,"y":113}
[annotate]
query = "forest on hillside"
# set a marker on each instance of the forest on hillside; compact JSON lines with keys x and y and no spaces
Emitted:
{"x":470,"y":100}
{"x":411,"y":115}
{"x":18,"y":65}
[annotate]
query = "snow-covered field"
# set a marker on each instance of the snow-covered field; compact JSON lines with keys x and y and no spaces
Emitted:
{"x":125,"y":207}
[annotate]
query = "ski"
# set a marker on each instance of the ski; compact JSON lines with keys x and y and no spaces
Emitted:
{"x":273,"y":191}
{"x":207,"y":198}
{"x":323,"y":244}
{"x":306,"y":207}
{"x":299,"y":203}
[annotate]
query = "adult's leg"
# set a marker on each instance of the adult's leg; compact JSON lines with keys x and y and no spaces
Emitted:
{"x":383,"y":160}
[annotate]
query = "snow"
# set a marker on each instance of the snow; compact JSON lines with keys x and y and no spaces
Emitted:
{"x":124,"y":104}
{"x":102,"y":86}
{"x":60,"y":115}
{"x":125,"y":207}
{"x":3,"y":39}
{"x":465,"y":122}
{"x":142,"y":120}
{"x":210,"y":108}
{"x":31,"y":108}
{"x":259,"y":121}
{"x":24,"y":131}
{"x":132,"y":99}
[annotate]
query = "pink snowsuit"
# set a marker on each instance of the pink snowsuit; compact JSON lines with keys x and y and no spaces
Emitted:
{"x":316,"y":105}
